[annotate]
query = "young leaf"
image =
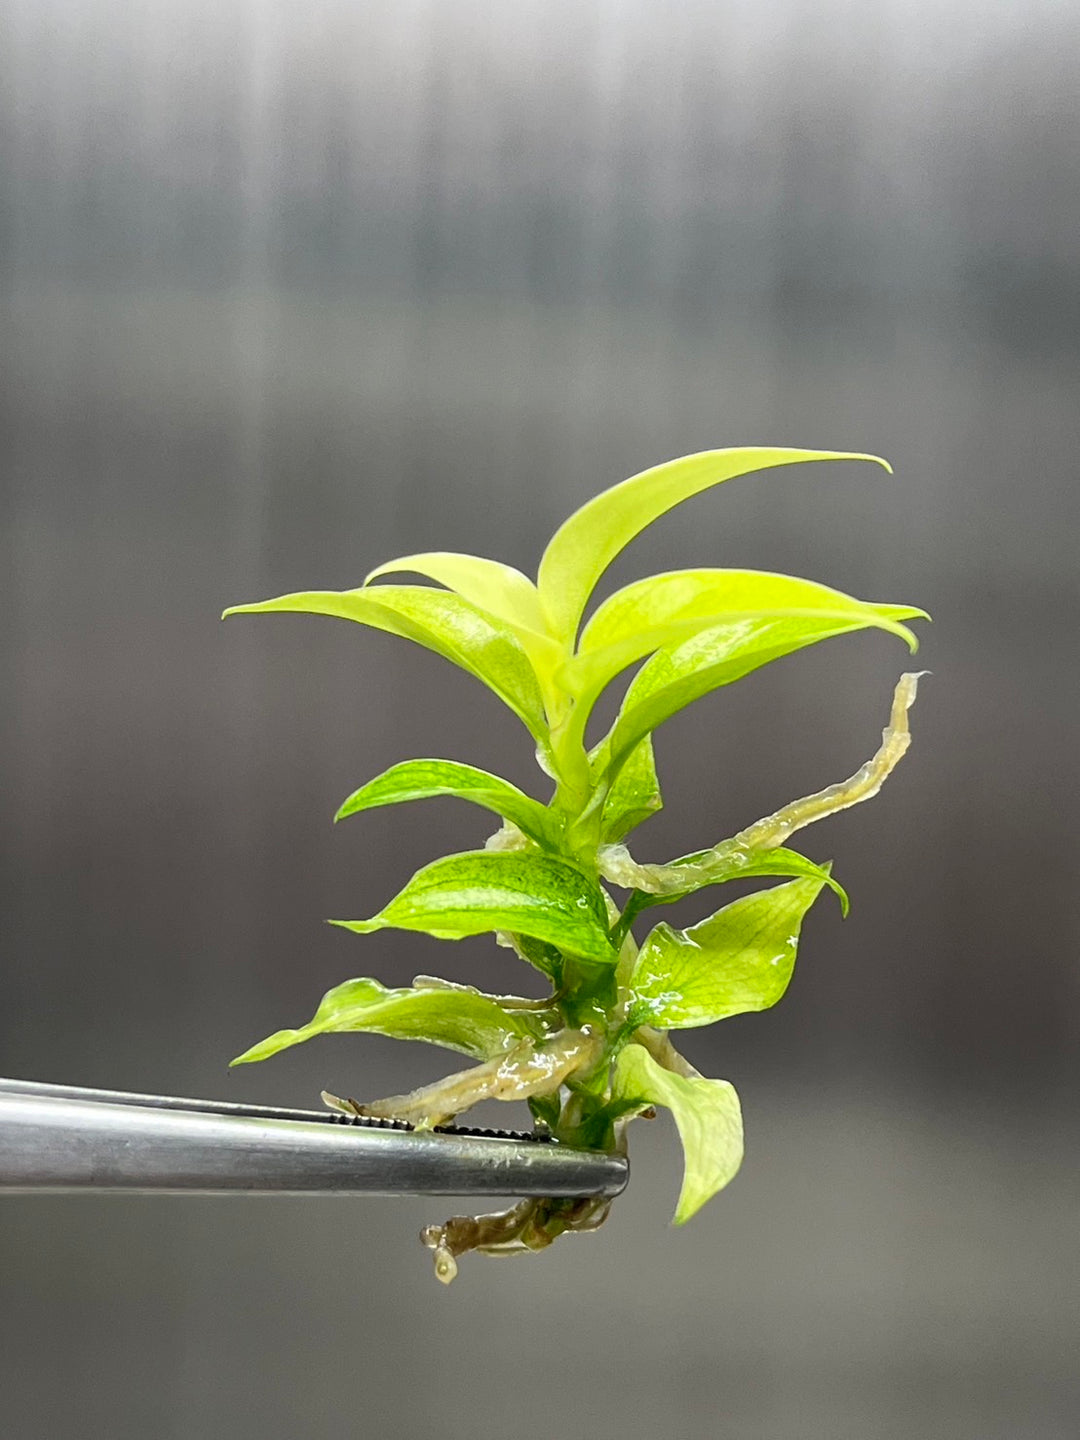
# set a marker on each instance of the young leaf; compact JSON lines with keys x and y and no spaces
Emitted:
{"x":456,"y":1019}
{"x":635,"y":794}
{"x":680,"y":674}
{"x":663,"y":884}
{"x":499,"y":589}
{"x":738,"y":960}
{"x":425,"y":779}
{"x":584,"y":546}
{"x":510,"y":891}
{"x":706,"y":1113}
{"x":664,"y":609}
{"x":441,"y":621}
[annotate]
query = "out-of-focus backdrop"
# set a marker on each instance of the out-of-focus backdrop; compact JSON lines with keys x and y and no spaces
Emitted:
{"x":291,"y":289}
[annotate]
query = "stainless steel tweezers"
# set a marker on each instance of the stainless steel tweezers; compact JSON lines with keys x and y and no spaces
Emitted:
{"x":64,"y":1138}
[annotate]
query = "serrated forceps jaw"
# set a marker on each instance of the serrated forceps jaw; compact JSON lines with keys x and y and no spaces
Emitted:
{"x":57,"y":1138}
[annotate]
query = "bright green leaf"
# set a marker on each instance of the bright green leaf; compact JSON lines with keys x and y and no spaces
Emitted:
{"x":584,"y":545}
{"x":665,"y":609}
{"x":456,"y":1019}
{"x":441,"y":621}
{"x":680,"y":674}
{"x":511,"y":891}
{"x":635,"y":794}
{"x":426,"y":779}
{"x":706,"y":1113}
{"x":740,"y":959}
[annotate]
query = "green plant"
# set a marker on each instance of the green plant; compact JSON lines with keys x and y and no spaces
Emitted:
{"x":594,"y":1052}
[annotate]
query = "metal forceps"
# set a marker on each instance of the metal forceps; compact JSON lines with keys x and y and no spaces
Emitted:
{"x":62,"y":1138}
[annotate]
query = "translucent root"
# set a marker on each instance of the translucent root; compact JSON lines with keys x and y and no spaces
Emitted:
{"x":527,"y":1227}
{"x":863,"y":785}
{"x":619,"y":866}
{"x":525,"y":1070}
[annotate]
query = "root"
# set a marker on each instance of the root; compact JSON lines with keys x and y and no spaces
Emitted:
{"x":773,"y":830}
{"x":525,"y":1070}
{"x":527,"y":1227}
{"x":619,"y":866}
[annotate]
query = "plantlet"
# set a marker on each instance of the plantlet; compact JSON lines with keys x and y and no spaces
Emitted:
{"x":594,"y":1052}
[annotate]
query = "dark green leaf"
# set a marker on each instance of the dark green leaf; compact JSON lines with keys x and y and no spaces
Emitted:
{"x":538,"y":953}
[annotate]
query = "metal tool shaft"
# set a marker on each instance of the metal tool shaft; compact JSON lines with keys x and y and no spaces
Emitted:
{"x":54,"y":1142}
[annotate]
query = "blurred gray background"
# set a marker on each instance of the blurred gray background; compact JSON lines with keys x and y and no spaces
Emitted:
{"x":288,"y":289}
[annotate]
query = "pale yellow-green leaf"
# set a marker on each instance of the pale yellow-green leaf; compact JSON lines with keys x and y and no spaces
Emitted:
{"x":498,"y":589}
{"x":682,"y":673}
{"x":441,"y":621}
{"x":584,"y":545}
{"x":662,"y":610}
{"x":707,"y":1115}
{"x":456,"y":1019}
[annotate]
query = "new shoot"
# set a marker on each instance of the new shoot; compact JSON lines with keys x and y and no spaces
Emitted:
{"x":595,"y":1052}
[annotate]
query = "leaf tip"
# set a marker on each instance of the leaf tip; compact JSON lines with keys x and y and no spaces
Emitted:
{"x":837,"y":889}
{"x":359,"y":927}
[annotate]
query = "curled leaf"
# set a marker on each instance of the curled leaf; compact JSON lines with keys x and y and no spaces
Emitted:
{"x":708,"y":1117}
